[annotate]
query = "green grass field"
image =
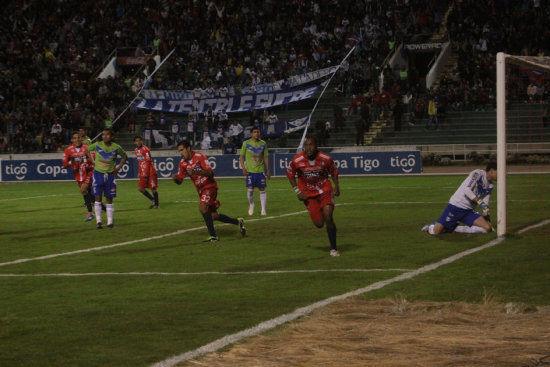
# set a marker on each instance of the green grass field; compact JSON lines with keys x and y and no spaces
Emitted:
{"x":143,"y":301}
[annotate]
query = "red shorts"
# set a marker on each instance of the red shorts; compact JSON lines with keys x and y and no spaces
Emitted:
{"x":87,"y":178}
{"x":149,"y":182}
{"x":208,"y":197}
{"x":315,"y":204}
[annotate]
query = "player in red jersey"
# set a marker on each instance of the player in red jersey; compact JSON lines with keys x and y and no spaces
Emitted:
{"x":313,"y":168}
{"x":146,"y":172}
{"x":196,"y":166}
{"x":75,"y":156}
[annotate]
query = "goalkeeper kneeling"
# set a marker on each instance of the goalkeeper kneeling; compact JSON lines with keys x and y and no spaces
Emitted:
{"x":475,"y":190}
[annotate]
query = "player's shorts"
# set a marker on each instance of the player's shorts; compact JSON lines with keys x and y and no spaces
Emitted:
{"x":453,"y":214}
{"x":209,"y":196}
{"x":149,"y":182}
{"x":256,"y":180}
{"x":104,"y":183}
{"x":86,"y":178}
{"x":315,"y":204}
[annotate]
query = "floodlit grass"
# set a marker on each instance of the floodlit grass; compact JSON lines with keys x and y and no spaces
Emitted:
{"x":106,"y":319}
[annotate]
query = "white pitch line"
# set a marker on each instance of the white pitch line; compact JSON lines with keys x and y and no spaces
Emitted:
{"x":33,"y":197}
{"x":154,"y":273}
{"x":126,"y":243}
{"x":300,"y":312}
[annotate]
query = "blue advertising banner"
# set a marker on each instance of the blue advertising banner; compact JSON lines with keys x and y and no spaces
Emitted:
{"x":239,"y":103}
{"x":368,"y":163}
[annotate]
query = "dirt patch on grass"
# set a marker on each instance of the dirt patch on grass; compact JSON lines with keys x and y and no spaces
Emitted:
{"x":389,"y":332}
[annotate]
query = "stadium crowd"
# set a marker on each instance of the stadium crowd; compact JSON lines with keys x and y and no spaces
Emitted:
{"x":53,"y":50}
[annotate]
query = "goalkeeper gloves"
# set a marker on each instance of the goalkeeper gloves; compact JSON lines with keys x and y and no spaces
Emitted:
{"x":483,"y":205}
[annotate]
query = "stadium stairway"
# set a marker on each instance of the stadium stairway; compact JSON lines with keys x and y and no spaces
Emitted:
{"x":524,"y":124}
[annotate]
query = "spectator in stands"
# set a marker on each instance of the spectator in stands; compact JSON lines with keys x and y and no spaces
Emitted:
{"x":229,"y":147}
{"x":236,"y":132}
{"x":209,"y":118}
{"x":175,"y":129}
{"x":191,"y":127}
{"x":206,"y":142}
{"x":432,"y":112}
{"x":321,"y":133}
{"x":397,"y":115}
{"x":531,"y":92}
{"x":254,"y":119}
{"x":360,"y":127}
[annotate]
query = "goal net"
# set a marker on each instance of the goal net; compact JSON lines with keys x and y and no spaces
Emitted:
{"x":520,"y":81}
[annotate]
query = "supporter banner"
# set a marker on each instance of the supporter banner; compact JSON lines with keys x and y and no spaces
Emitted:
{"x":260,"y":88}
{"x":369,"y":163}
{"x":424,"y":47}
{"x":296,"y":124}
{"x":296,"y":80}
{"x":131,"y":60}
{"x":240,"y":103}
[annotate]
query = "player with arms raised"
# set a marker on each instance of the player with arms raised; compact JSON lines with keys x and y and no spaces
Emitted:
{"x":196,"y":166}
{"x":313,"y":168}
{"x":75,"y":156}
{"x":146,"y":172}
{"x":105,"y":171}
{"x":475,"y":189}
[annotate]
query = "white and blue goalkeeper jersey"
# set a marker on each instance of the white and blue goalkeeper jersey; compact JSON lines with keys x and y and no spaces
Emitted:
{"x":475,"y":185}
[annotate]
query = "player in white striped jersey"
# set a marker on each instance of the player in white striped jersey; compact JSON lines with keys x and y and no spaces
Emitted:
{"x":475,"y":190}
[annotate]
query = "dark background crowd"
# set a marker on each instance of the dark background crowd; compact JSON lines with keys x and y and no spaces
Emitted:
{"x":52,"y":51}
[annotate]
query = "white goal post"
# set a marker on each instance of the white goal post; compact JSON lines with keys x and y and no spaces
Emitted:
{"x":539,"y":63}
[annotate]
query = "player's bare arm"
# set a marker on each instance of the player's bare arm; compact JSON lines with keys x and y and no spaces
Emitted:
{"x":241,"y":159}
{"x":177,"y":179}
{"x":204,"y":172}
{"x":90,"y":159}
{"x":336,"y":185}
{"x":119,"y":167}
{"x":267,"y":169}
{"x":301,"y":196}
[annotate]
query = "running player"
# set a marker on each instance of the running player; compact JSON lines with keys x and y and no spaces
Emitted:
{"x":105,"y":171}
{"x":75,"y":156}
{"x":313,"y":168}
{"x":196,"y":166}
{"x":475,"y":189}
{"x":146,"y":172}
{"x":255,"y":162}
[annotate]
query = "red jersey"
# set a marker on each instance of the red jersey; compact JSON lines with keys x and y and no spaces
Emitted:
{"x":197,"y":162}
{"x":313,"y":176}
{"x":146,"y":166}
{"x":78,"y":160}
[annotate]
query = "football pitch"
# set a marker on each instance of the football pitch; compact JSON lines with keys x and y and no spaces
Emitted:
{"x":149,"y":288}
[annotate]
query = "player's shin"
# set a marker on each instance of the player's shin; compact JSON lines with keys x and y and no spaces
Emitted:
{"x":88,"y":202}
{"x":227,"y":219}
{"x":156,"y":197}
{"x":110,"y":213}
{"x":331,"y":232}
{"x":263,"y":200}
{"x":472,"y":229}
{"x":209,"y":224}
{"x":97,"y":209}
{"x":147,"y":195}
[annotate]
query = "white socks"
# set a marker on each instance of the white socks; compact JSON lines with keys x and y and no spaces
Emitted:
{"x":110,"y":213}
{"x":250,"y":194}
{"x":263,"y":200}
{"x":431,"y":229}
{"x":472,"y":229}
{"x":97,"y":209}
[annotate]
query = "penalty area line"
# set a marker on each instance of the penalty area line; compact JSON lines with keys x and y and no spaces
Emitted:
{"x":300,"y":312}
{"x":259,"y":272}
